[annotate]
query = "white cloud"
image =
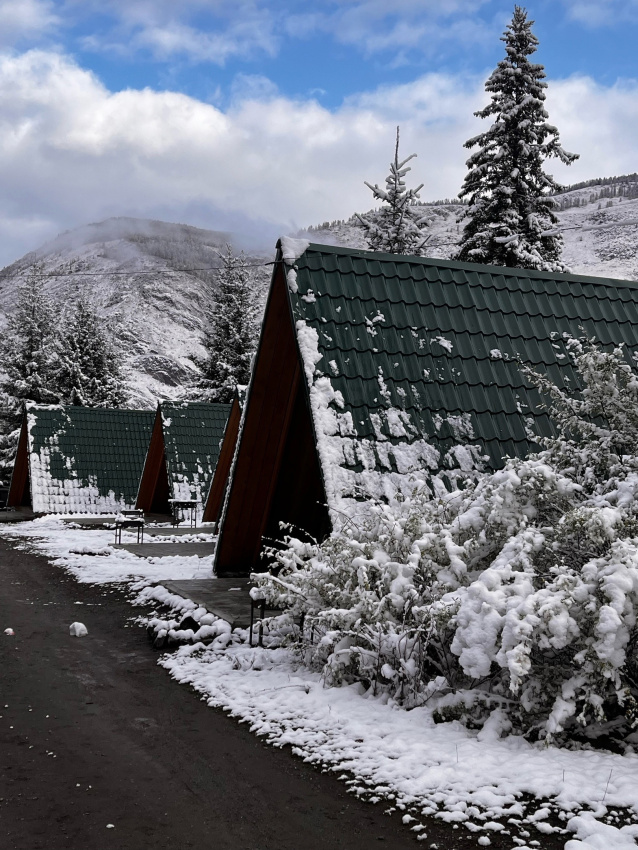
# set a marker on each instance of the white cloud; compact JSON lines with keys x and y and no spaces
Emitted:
{"x":242,"y":37}
{"x":25,"y":19}
{"x":217,"y":30}
{"x":252,"y":87}
{"x":198,"y":30}
{"x":376,"y":25}
{"x":73,"y":152}
{"x":597,"y":13}
{"x":598,"y":122}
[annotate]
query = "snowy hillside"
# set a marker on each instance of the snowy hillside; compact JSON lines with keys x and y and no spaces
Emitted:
{"x":152,"y":279}
{"x":133,"y":271}
{"x":609,"y":249}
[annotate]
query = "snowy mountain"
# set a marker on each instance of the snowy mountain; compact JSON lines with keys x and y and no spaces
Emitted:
{"x":150,"y":279}
{"x":602,"y":217}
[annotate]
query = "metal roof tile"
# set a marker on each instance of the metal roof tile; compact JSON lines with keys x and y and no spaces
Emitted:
{"x":478,"y":309}
{"x":192,"y":436}
{"x":92,"y":455}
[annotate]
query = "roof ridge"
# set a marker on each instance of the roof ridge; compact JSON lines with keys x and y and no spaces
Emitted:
{"x":434,"y":262}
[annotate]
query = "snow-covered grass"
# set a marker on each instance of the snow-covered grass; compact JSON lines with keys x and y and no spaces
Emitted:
{"x":477,"y":781}
{"x":88,"y":554}
{"x":480,"y":783}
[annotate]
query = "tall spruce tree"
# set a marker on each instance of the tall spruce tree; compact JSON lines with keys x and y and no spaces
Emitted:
{"x":231,"y":337}
{"x":510,"y":212}
{"x":399,"y":226}
{"x":30,"y":359}
{"x":88,"y":373}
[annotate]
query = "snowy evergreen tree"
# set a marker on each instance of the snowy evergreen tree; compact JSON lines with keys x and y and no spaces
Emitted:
{"x":88,"y":373}
{"x":30,"y":359}
{"x":231,"y":337}
{"x":510,"y":213}
{"x":399,"y":226}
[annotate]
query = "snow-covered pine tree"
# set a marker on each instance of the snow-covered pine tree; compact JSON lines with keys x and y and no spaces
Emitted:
{"x":510,"y":215}
{"x":30,"y":358}
{"x":399,"y":226}
{"x":232,"y":326}
{"x":88,"y":373}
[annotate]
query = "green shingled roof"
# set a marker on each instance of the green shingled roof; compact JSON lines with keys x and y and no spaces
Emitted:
{"x":193,"y":433}
{"x":86,"y":459}
{"x":385,"y":312}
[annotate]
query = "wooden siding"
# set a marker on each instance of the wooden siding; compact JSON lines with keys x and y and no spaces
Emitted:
{"x":153,"y":466}
{"x":277,"y":474}
{"x":19,"y":492}
{"x":217,"y":490}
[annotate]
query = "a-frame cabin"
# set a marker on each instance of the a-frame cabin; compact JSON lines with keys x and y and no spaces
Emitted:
{"x":79,"y":460}
{"x":217,"y":490}
{"x":19,"y":495}
{"x":276,"y":475}
{"x":183,"y":453}
{"x":374,"y":370}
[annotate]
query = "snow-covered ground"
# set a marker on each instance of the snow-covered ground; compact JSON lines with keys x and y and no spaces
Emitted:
{"x":482,"y":784}
{"x":88,"y":554}
{"x":599,"y":240}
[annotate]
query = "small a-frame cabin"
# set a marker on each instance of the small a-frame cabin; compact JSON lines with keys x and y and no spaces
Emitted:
{"x":374,"y":368}
{"x":182,"y":453}
{"x":79,"y":460}
{"x":217,"y":490}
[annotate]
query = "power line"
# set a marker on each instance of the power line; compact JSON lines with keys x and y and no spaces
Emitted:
{"x":137,"y":273}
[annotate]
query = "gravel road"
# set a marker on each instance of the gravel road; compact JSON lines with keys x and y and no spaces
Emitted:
{"x":93,"y":732}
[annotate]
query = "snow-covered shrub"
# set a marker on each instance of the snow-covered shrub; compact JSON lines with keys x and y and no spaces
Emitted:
{"x":516,"y":593}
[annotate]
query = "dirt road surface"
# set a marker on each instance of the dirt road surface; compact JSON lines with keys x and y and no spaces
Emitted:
{"x":101,"y":750}
{"x":93,"y":732}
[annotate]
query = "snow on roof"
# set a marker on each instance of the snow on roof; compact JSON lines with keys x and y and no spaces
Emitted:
{"x":436,"y":369}
{"x":85,"y":460}
{"x":193,"y":432}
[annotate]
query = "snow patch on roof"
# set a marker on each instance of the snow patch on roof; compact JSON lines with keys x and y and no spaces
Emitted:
{"x":443,"y":342}
{"x":384,"y":468}
{"x":73,"y":453}
{"x":193,"y":433}
{"x":292,"y":249}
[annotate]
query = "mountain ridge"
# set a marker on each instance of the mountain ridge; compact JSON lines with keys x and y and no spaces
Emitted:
{"x":152,"y":281}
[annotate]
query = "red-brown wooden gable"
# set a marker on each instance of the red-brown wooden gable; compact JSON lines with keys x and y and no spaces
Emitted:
{"x":20,"y":475}
{"x":218,"y":484}
{"x":276,"y":400}
{"x":152,"y":466}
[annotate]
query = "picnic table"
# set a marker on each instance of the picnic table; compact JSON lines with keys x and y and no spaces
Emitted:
{"x":179,"y":508}
{"x":130,"y":519}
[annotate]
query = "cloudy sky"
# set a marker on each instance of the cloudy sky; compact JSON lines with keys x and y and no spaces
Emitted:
{"x":261,"y":116}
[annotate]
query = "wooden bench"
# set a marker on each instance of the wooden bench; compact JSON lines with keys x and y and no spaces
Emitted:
{"x":130,"y":519}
